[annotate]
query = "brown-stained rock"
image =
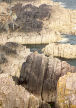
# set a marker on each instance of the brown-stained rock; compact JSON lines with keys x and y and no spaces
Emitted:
{"x":66,"y":91}
{"x":39,"y":75}
{"x":32,"y":72}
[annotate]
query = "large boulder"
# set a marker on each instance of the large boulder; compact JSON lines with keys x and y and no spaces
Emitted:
{"x":15,"y":96}
{"x":67,"y":51}
{"x":39,"y":75}
{"x":66,"y":91}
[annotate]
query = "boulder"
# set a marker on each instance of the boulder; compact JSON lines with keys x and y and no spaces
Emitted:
{"x":67,"y":51}
{"x":66,"y":91}
{"x":39,"y":75}
{"x":15,"y":96}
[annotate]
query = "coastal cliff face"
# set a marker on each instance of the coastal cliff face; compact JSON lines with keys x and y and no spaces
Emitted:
{"x":39,"y":75}
{"x":42,"y":21}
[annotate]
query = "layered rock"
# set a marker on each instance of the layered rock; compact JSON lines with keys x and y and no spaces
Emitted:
{"x":40,"y":74}
{"x":12,"y":55}
{"x":40,"y":22}
{"x":66,"y":91}
{"x":67,"y":51}
{"x":15,"y":96}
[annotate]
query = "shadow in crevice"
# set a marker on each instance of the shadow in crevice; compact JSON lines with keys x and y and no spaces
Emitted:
{"x":30,"y":18}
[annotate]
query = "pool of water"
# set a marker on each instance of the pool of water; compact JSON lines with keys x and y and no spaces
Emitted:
{"x":67,"y":3}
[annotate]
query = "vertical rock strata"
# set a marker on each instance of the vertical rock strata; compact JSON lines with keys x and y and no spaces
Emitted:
{"x":66,"y":91}
{"x":40,"y":74}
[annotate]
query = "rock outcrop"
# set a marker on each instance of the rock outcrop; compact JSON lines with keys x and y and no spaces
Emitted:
{"x":67,"y":51}
{"x":40,"y":74}
{"x":39,"y":22}
{"x":12,"y":55}
{"x":66,"y":91}
{"x":15,"y":96}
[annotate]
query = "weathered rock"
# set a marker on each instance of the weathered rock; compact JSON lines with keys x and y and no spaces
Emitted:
{"x":56,"y":68}
{"x":60,"y":50}
{"x":40,"y":74}
{"x":12,"y":55}
{"x":44,"y":105}
{"x":66,"y":91}
{"x":32,"y":72}
{"x":15,"y":96}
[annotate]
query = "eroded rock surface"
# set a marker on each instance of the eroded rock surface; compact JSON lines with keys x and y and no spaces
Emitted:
{"x":15,"y":96}
{"x":67,"y":51}
{"x":12,"y":55}
{"x":40,"y":74}
{"x":66,"y":91}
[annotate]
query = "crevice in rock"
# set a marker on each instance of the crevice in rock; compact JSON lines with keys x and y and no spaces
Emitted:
{"x":44,"y":78}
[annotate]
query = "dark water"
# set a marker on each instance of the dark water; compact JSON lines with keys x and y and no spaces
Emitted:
{"x":36,"y":47}
{"x":68,"y":3}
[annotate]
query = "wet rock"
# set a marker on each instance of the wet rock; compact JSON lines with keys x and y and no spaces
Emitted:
{"x":66,"y":91}
{"x":67,"y":51}
{"x":15,"y":96}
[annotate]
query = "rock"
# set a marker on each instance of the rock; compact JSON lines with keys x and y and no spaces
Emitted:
{"x":15,"y":96}
{"x":32,"y":72}
{"x":12,"y":55}
{"x":66,"y":91}
{"x":60,"y":50}
{"x":56,"y":68}
{"x":39,"y":22}
{"x":44,"y":105}
{"x":39,"y":75}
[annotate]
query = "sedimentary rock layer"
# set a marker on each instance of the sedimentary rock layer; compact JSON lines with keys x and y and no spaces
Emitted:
{"x":67,"y":51}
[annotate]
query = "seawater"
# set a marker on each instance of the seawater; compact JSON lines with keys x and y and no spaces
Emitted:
{"x":71,"y":4}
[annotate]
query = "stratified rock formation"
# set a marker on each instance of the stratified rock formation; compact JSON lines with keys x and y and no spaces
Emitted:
{"x":40,"y":74}
{"x":67,"y":51}
{"x":12,"y":55}
{"x":39,"y":22}
{"x":66,"y":91}
{"x":15,"y":96}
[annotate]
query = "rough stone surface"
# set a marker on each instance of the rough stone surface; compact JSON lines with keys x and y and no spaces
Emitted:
{"x":66,"y":91}
{"x":15,"y":96}
{"x":40,"y":74}
{"x":39,"y":21}
{"x":32,"y":72}
{"x":67,"y":51}
{"x":12,"y":55}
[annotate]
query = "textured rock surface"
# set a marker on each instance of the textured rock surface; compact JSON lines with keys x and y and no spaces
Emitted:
{"x":14,"y":96}
{"x":12,"y":55}
{"x":66,"y":91}
{"x":43,"y":21}
{"x":40,"y":74}
{"x":60,"y":50}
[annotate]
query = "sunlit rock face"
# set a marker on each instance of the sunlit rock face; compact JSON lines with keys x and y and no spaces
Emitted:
{"x":67,"y":51}
{"x":15,"y":96}
{"x":66,"y":91}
